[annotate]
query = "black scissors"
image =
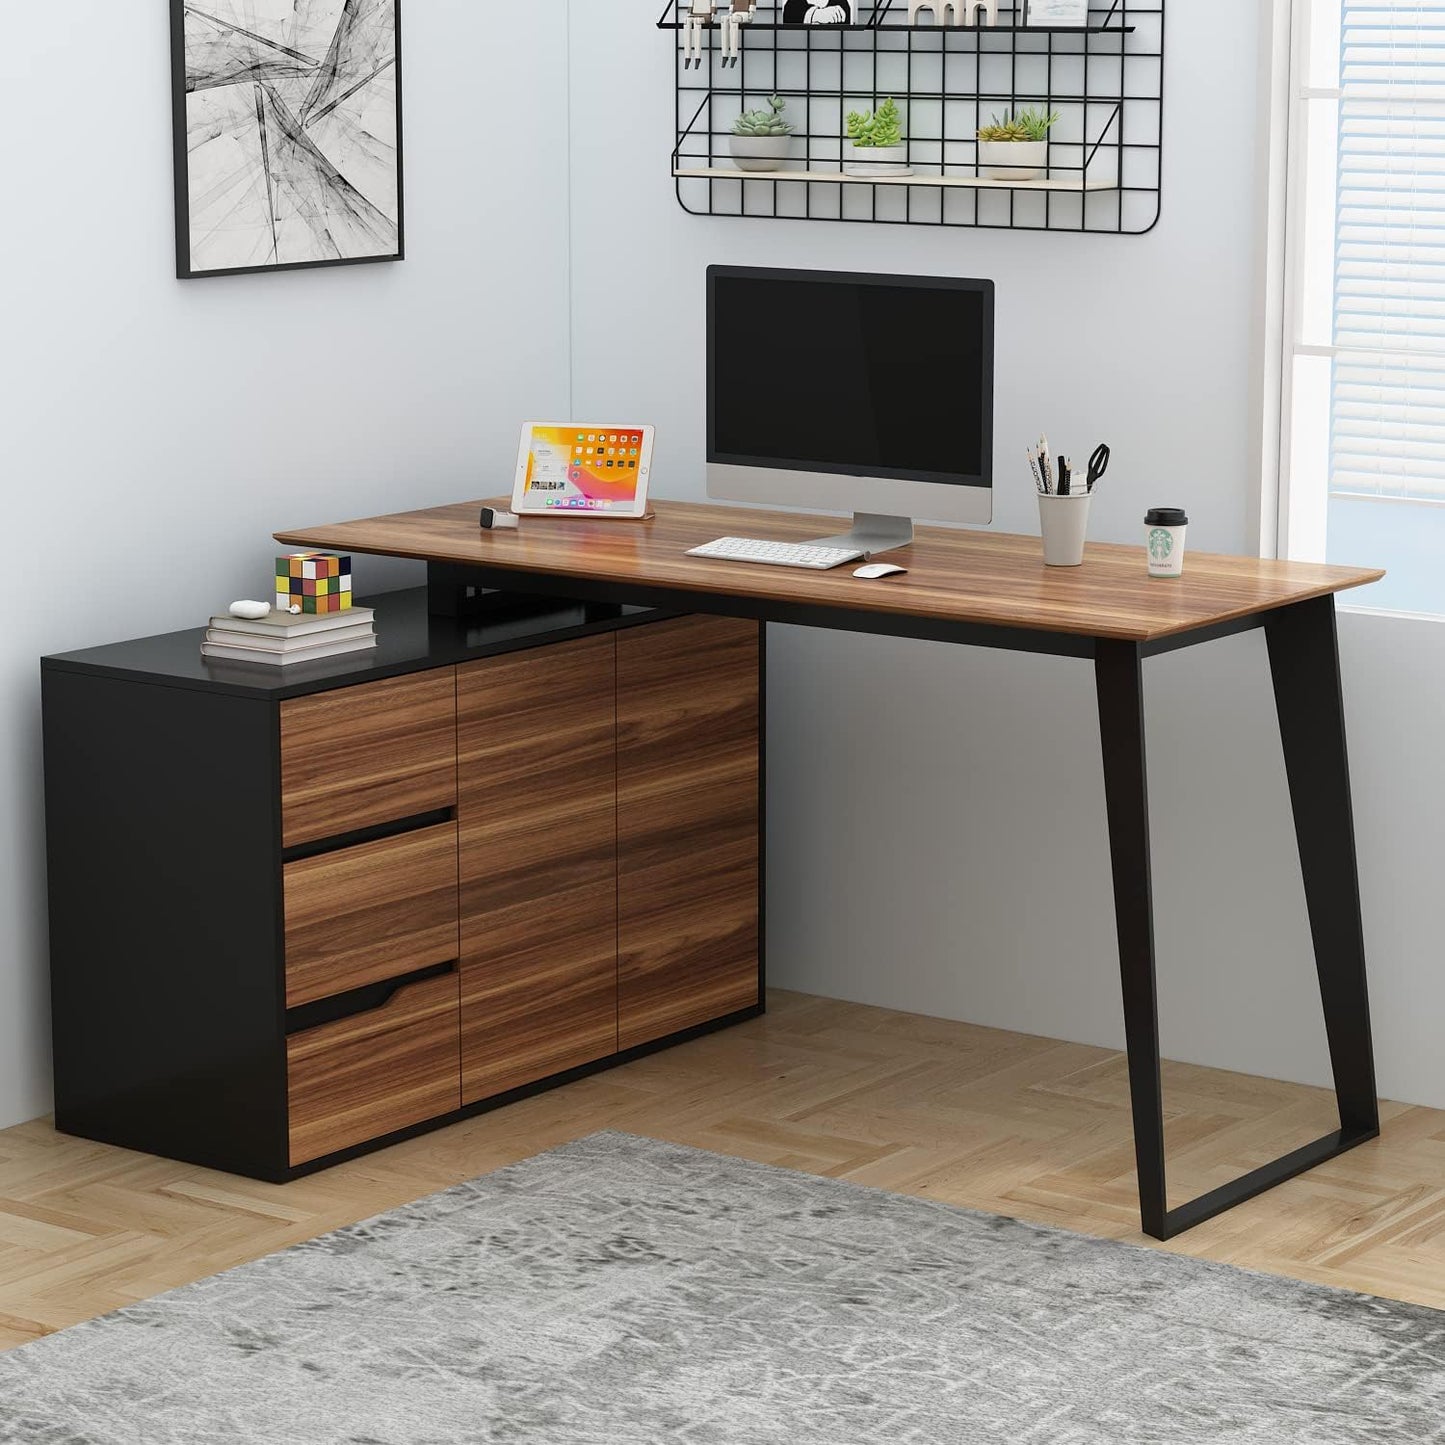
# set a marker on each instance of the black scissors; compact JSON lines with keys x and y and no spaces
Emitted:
{"x":1098,"y":465}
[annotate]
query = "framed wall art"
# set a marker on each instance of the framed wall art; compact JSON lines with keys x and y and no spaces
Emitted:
{"x":288,"y":134}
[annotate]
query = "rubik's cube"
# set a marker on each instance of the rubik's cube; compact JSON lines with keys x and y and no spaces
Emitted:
{"x":313,"y":581}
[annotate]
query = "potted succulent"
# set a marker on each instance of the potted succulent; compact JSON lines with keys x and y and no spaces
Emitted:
{"x":762,"y":139}
{"x":875,"y":146}
{"x":1016,"y":148}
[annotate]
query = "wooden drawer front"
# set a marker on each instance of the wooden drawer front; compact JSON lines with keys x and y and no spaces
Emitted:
{"x":361,"y":1078}
{"x":370,"y":913}
{"x":365,"y":755}
{"x":688,"y":708}
{"x":536,"y":748}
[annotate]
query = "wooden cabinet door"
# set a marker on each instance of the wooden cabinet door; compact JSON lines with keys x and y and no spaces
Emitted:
{"x":687,"y":824}
{"x":538,"y":812}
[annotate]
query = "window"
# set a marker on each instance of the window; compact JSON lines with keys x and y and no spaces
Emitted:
{"x":1363,"y":404}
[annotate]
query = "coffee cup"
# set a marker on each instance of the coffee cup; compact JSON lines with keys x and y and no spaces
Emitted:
{"x":1164,"y":533}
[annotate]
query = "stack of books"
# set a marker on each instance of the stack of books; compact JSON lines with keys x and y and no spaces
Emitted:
{"x":284,"y":638}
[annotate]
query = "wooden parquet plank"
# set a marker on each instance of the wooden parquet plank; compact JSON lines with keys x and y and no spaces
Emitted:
{"x":994,"y":1121}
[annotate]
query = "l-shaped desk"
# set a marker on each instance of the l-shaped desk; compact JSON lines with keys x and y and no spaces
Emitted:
{"x":988,"y":590}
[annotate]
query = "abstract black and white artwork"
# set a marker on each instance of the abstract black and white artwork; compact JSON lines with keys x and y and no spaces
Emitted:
{"x":288,"y":134}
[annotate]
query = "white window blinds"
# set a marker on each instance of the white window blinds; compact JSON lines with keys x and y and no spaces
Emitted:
{"x":1387,"y":421}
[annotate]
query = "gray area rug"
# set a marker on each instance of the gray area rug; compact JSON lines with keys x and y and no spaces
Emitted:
{"x":619,"y":1289}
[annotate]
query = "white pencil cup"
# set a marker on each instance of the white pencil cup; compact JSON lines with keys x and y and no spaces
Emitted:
{"x":1064,"y":522}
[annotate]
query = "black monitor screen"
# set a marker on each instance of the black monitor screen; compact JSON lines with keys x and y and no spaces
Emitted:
{"x":888,"y":376}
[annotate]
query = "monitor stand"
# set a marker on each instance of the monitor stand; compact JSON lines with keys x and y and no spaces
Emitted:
{"x":872,"y":533}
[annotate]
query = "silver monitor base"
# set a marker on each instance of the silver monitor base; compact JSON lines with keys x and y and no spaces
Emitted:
{"x":871,"y":533}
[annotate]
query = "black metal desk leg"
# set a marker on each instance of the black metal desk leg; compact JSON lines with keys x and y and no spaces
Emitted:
{"x":1119,"y":676}
{"x":1304,"y":659}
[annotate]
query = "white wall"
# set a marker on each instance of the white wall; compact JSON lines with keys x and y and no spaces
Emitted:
{"x":1394,"y":670}
{"x":936,"y":825}
{"x":156,"y":432}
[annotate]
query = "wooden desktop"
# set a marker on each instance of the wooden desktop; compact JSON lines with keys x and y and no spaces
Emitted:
{"x":990,"y":590}
{"x":981,"y":579}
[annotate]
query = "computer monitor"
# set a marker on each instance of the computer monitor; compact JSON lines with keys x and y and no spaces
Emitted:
{"x":852,"y":392}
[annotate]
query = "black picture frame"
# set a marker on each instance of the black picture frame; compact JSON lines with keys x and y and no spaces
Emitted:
{"x":185,"y":270}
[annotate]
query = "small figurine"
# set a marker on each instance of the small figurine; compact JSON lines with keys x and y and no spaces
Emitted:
{"x":956,"y":12}
{"x":741,"y":14}
{"x":805,"y":12}
{"x":698,"y":18}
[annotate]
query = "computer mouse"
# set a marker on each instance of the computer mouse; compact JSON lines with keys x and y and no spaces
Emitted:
{"x":875,"y":570}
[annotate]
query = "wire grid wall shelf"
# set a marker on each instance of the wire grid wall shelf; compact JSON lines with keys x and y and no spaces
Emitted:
{"x":1105,"y":81}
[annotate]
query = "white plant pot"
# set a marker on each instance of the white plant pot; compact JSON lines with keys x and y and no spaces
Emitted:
{"x":876,"y":162}
{"x":1013,"y":160}
{"x":761,"y":152}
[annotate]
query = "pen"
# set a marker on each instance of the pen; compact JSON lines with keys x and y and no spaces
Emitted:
{"x":1064,"y":476}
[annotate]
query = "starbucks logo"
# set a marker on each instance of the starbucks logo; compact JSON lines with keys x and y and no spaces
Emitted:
{"x":1161,"y":544}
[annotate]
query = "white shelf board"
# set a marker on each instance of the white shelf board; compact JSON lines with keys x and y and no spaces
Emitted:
{"x":1075,"y":184}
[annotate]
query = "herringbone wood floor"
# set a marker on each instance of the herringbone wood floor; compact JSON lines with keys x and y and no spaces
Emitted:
{"x":996,"y":1121}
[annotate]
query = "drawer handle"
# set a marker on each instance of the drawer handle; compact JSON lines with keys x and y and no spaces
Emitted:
{"x":371,"y":999}
{"x":402,"y":826}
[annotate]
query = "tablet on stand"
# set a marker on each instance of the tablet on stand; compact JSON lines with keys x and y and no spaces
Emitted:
{"x":568,"y":469}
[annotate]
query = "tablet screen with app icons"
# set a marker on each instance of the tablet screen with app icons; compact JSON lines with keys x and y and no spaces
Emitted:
{"x":570,"y":467}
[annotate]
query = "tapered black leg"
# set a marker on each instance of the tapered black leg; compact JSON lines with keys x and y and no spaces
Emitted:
{"x":1305,"y":663}
{"x":1304,"y":659}
{"x":1119,"y":676}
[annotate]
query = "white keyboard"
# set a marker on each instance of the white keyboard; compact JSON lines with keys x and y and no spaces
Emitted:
{"x":777,"y":554}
